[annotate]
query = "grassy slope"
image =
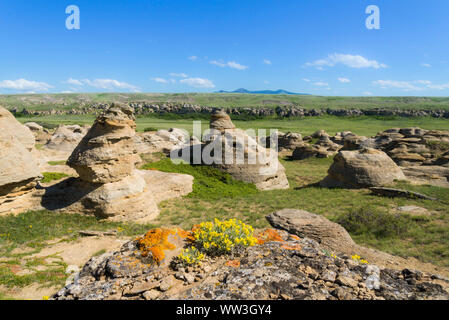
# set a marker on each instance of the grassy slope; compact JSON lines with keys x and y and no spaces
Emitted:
{"x":216,"y":195}
{"x":68,"y":101}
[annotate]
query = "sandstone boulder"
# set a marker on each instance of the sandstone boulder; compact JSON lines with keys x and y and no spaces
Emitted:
{"x":308,"y":225}
{"x":220,"y":120}
{"x":19,"y":171}
{"x":11,"y":127}
{"x":290,"y":141}
{"x":107,"y":152}
{"x":362,"y":168}
{"x":235,"y":152}
{"x":66,"y":138}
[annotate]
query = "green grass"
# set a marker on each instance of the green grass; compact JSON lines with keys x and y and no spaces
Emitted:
{"x":53,"y":176}
{"x":30,"y":231}
{"x":425,"y":238}
{"x":209,"y":183}
{"x":57,"y":163}
{"x":364,"y":125}
{"x":69,"y":101}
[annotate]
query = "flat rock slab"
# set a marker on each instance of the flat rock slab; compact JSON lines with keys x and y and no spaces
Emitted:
{"x":391,"y":192}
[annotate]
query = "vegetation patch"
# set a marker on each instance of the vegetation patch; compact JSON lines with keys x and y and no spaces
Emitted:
{"x":372,"y":221}
{"x":209,"y":183}
{"x":53,"y":176}
{"x":57,"y":163}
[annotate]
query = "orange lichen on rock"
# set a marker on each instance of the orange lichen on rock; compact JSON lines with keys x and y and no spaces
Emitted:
{"x":269,"y":235}
{"x":155,"y":242}
{"x":233,"y":263}
{"x":295,"y":247}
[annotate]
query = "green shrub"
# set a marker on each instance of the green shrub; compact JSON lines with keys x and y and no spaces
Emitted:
{"x":150,"y":129}
{"x":52,"y":176}
{"x":370,"y":221}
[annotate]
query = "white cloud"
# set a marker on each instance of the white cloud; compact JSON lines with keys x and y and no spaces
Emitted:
{"x":25,"y":85}
{"x":74,"y":82}
{"x":179,"y":75}
{"x":305,"y":79}
{"x":193,"y":58}
{"x":321,"y":84}
{"x":367,"y":93}
{"x":218,"y":63}
{"x":235,"y":65}
{"x":230,"y":64}
{"x":344,"y":80}
{"x":426,"y":65}
{"x":266,"y":61}
{"x":404,"y":85}
{"x":198,"y":82}
{"x":159,"y":80}
{"x":110,"y":84}
{"x":352,"y":61}
{"x":443,"y":86}
{"x":417,"y":85}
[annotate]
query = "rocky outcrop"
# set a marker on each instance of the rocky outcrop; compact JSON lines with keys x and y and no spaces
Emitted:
{"x":285,"y":267}
{"x":109,"y":185}
{"x":66,"y":138}
{"x":290,"y":141}
{"x":19,"y":171}
{"x":361,"y":169}
{"x":308,"y":151}
{"x":235,"y":152}
{"x":11,"y":127}
{"x":163,"y":141}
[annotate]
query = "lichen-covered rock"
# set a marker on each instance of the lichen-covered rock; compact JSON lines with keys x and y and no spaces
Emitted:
{"x":287,"y":267}
{"x":362,"y":168}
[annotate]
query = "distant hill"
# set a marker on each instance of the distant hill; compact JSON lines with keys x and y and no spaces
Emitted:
{"x":280,"y":91}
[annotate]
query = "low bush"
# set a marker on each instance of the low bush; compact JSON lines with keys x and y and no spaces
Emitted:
{"x":370,"y":221}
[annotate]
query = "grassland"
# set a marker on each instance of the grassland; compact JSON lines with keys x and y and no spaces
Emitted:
{"x":68,"y":101}
{"x":365,"y":125}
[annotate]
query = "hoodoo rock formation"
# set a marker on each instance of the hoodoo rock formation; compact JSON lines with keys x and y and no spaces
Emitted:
{"x":109,"y":185}
{"x":242,"y":156}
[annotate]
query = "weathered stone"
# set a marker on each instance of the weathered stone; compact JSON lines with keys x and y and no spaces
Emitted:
{"x":318,"y":228}
{"x":107,"y":153}
{"x":11,"y":127}
{"x":362,"y":168}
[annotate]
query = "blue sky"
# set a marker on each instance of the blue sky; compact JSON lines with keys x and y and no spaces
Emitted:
{"x":310,"y":46}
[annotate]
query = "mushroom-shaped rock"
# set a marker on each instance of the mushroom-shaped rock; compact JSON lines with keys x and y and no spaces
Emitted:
{"x":107,"y":153}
